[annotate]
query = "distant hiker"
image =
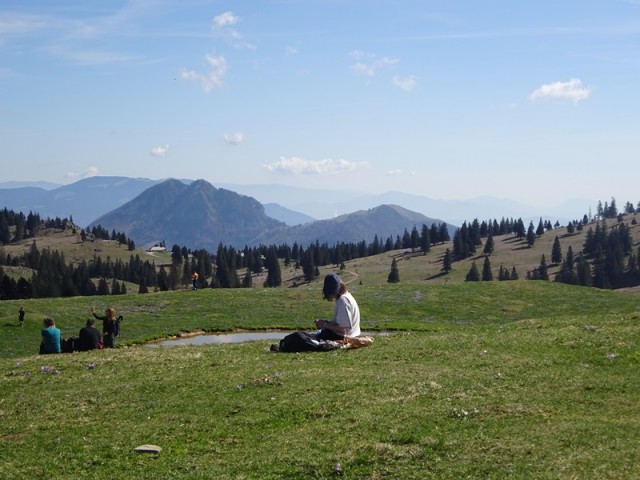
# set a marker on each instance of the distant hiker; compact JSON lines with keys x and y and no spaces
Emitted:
{"x":89,"y":337}
{"x":21,"y":313}
{"x":50,"y":342}
{"x":346,"y":314}
{"x":110,"y":326}
{"x":194,"y":280}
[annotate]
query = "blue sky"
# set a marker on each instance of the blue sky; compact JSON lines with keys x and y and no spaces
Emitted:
{"x":532,"y":101}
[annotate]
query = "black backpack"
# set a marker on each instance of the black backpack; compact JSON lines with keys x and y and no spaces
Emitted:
{"x":69,"y":345}
{"x":304,"y":342}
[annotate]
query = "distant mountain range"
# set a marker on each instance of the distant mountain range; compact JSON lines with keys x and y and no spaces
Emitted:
{"x":309,"y":214}
{"x":199,"y":215}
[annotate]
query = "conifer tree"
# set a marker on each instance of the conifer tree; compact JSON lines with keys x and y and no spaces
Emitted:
{"x":247,"y":280}
{"x":543,"y":273}
{"x":514,"y":273}
{"x":394,"y":274}
{"x":446,"y":261}
{"x":583,"y":271}
{"x":531,"y":235}
{"x":489,"y":245}
{"x":103,"y":287}
{"x":473,"y":275}
{"x":487,"y":275}
{"x":556,"y":252}
{"x":274,"y":275}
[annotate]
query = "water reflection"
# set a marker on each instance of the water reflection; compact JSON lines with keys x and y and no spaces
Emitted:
{"x":232,"y":338}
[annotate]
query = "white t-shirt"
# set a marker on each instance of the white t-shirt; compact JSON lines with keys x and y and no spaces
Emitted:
{"x":347,"y":314}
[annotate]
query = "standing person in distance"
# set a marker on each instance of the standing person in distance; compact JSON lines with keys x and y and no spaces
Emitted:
{"x":346,"y":314}
{"x":109,"y":326}
{"x":194,"y":280}
{"x":50,"y":342}
{"x":21,"y":314}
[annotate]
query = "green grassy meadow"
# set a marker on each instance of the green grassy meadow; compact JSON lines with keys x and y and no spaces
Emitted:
{"x":474,"y":380}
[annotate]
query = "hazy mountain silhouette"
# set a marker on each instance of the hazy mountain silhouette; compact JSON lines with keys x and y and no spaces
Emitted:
{"x":198,"y":215}
{"x":382,"y":221}
{"x":84,"y":200}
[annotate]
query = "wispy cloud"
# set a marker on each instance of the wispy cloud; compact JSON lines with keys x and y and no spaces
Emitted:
{"x":398,"y":173}
{"x":224,"y":24}
{"x":213,"y":78}
{"x":572,"y":91}
{"x":301,"y":166}
{"x":159,"y":151}
{"x":90,"y":172}
{"x":235,"y":138}
{"x":405,"y":83}
{"x":368,"y":64}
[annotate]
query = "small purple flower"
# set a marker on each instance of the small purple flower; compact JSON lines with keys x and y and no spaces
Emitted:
{"x":91,"y":366}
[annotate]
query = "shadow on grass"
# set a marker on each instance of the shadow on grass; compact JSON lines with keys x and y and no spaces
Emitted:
{"x":437,"y":275}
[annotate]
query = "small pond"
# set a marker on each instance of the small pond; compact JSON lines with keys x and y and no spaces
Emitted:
{"x":207,"y":339}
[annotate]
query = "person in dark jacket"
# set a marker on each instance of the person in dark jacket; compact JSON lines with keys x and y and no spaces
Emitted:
{"x":109,"y":326}
{"x":89,"y":337}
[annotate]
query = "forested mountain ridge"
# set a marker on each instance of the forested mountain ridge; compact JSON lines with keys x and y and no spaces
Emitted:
{"x":198,"y":215}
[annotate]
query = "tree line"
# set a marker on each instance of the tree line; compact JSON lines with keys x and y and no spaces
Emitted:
{"x":605,"y":249}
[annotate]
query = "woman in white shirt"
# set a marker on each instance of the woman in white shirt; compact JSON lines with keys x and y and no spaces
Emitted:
{"x":346,"y":314}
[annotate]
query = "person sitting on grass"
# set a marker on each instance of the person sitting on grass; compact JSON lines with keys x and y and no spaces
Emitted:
{"x":50,"y":342}
{"x":346,"y":314}
{"x":89,"y":337}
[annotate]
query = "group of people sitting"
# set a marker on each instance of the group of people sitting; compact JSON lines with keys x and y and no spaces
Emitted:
{"x":89,"y":337}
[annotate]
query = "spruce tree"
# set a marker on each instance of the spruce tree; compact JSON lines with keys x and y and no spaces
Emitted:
{"x":531,"y":235}
{"x":274,"y":276}
{"x":103,"y":287}
{"x":487,"y":275}
{"x":489,"y":245}
{"x":247,"y":280}
{"x":556,"y":252}
{"x":473,"y":275}
{"x":394,"y":274}
{"x":446,"y":261}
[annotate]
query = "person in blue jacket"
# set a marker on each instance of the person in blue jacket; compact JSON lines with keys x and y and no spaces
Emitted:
{"x":50,"y":342}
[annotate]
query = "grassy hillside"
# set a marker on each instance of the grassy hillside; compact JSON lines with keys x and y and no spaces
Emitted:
{"x":483,"y":380}
{"x":414,"y":266}
{"x":521,"y":380}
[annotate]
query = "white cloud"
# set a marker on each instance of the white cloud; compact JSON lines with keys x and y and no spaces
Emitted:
{"x":235,"y":138}
{"x":212,"y":79}
{"x":407,"y":83}
{"x":301,"y":166}
{"x":223,"y":25}
{"x":224,"y":20}
{"x":160,"y":150}
{"x":90,"y":172}
{"x":368,"y":64}
{"x":572,"y":91}
{"x":399,"y":173}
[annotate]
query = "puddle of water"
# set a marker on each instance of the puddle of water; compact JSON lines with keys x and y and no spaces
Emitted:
{"x":232,"y":338}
